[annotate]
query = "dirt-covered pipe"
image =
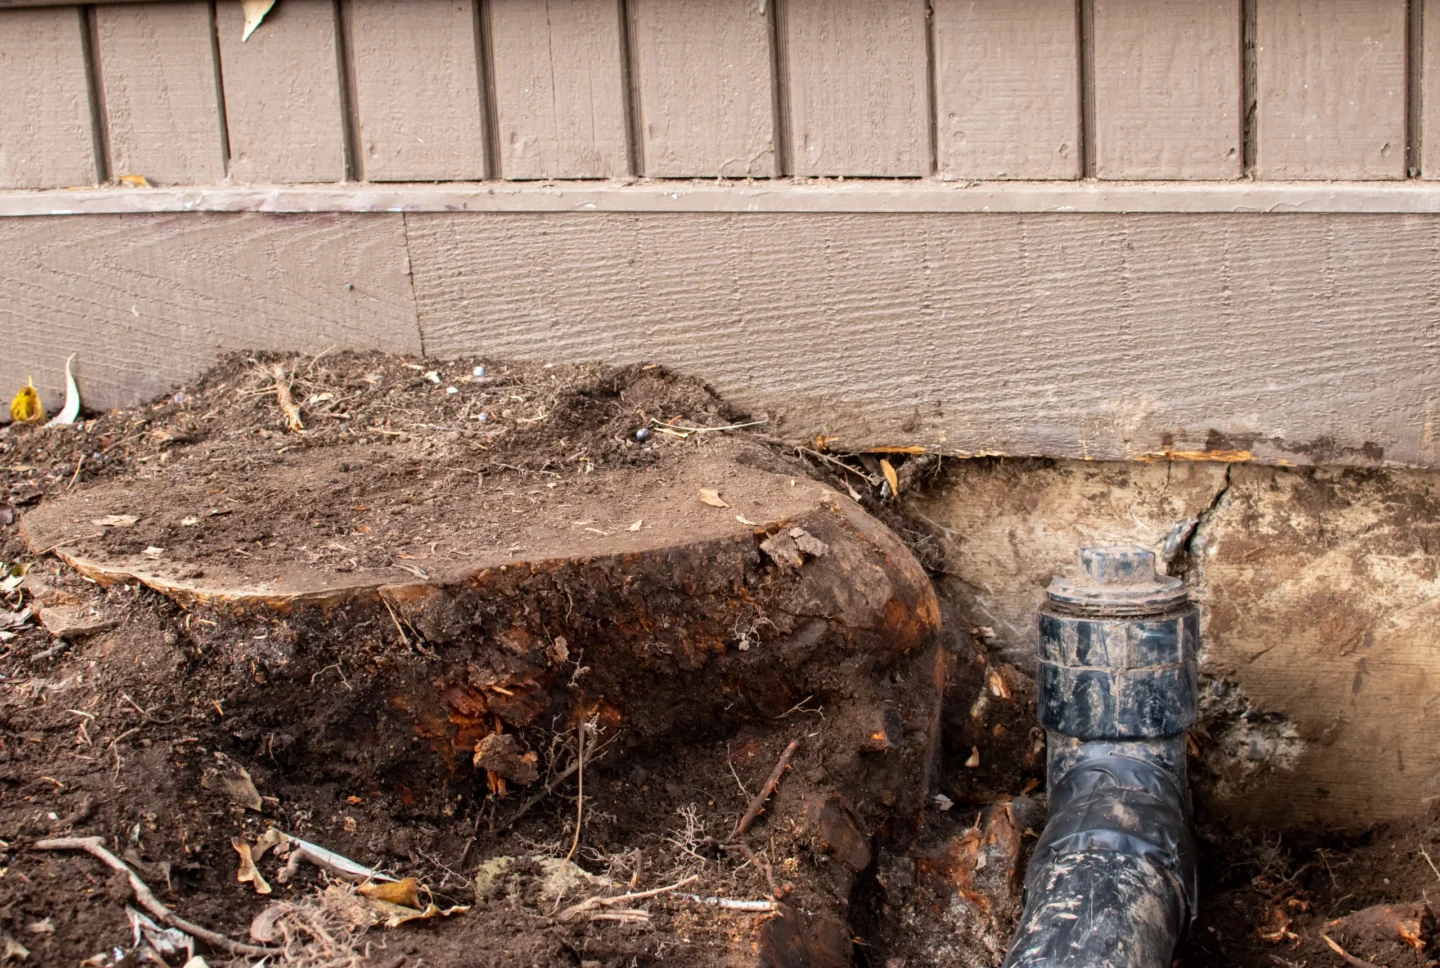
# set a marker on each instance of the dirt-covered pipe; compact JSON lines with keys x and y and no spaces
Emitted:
{"x":1113,"y":878}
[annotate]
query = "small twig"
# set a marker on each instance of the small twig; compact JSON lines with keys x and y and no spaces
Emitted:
{"x":1350,"y":959}
{"x":580,"y":793}
{"x":705,"y":430}
{"x":760,"y":861}
{"x":731,"y":763}
{"x":95,"y":847}
{"x":758,"y":803}
{"x":730,"y":903}
{"x":78,"y":464}
{"x":287,"y":402}
{"x":560,"y":778}
{"x":590,"y":904}
{"x":1429,"y":861}
{"x":839,"y":463}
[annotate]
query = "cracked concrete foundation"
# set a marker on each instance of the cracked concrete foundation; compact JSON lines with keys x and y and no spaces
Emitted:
{"x":1320,"y":593}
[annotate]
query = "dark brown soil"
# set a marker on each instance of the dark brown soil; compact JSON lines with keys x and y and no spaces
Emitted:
{"x":128,"y":727}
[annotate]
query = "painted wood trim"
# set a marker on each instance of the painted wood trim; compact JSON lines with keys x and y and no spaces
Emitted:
{"x":1167,"y":77}
{"x":420,"y":118}
{"x":157,"y":68}
{"x":45,"y":108}
{"x":705,"y":88}
{"x":559,"y":88}
{"x":1007,"y":89}
{"x":1331,"y":95}
{"x":859,"y":197}
{"x":282,"y":93}
{"x":857,"y":87}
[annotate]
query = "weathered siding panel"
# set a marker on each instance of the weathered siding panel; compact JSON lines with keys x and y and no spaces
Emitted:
{"x":417,"y":90}
{"x":858,"y":89}
{"x":157,"y":67}
{"x":1331,"y":89}
{"x":1007,"y":89}
{"x":282,"y":93}
{"x":559,"y":88}
{"x":1167,"y":77}
{"x":150,"y":301}
{"x":45,"y":134}
{"x":706,"y":92}
{"x":1430,"y":89}
{"x":1086,"y":336}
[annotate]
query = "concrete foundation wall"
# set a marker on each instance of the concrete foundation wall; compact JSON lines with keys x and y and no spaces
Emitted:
{"x":1320,"y":596}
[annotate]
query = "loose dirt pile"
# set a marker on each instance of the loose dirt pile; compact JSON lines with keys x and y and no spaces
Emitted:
{"x":411,"y":634}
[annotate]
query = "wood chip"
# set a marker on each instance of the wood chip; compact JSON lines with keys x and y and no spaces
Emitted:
{"x":712,"y":498}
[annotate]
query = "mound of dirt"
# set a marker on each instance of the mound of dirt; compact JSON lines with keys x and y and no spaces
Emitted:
{"x":614,"y":678}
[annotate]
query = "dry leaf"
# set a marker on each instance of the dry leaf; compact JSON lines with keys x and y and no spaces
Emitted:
{"x":999,"y":688}
{"x":115,"y":521}
{"x":248,"y":872}
{"x":26,"y":407}
{"x":636,"y":525}
{"x":270,"y":838}
{"x":974,"y":759}
{"x":189,"y":521}
{"x":255,"y":11}
{"x":890,"y":478}
{"x":746,"y":521}
{"x":712,"y":498}
{"x":405,"y":892}
{"x":263,"y":928}
{"x":133,"y":181}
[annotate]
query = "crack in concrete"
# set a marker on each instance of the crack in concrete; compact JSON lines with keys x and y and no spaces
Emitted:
{"x":1185,"y":562}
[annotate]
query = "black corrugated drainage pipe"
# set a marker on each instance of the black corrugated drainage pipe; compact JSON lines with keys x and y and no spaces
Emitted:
{"x":1113,"y":878}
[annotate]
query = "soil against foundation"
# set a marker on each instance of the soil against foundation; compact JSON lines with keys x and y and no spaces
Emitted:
{"x":134,"y":723}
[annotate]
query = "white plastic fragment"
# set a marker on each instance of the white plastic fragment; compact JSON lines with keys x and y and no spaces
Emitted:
{"x":71,"y":410}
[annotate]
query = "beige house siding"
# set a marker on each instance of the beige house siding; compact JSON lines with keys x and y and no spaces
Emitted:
{"x":1079,"y":228}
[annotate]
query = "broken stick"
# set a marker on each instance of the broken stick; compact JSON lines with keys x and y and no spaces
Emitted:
{"x":590,"y":904}
{"x":1350,"y":959}
{"x":287,"y":402}
{"x":758,"y":803}
{"x":95,"y":847}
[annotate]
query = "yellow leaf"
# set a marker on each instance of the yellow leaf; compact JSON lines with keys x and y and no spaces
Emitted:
{"x":134,"y":181}
{"x":26,"y":407}
{"x":406,"y":893}
{"x":712,"y":498}
{"x":890,"y":477}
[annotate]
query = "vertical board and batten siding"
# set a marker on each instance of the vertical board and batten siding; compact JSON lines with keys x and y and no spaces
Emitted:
{"x":419,"y":112}
{"x":1331,"y":89}
{"x":1167,"y":88}
{"x":461,"y":90}
{"x":282,"y":94}
{"x":560,"y":88}
{"x":858,"y":91}
{"x":1007,"y":89}
{"x":162,"y":99}
{"x":1428,"y":157}
{"x":46,"y":138}
{"x":704,"y":79}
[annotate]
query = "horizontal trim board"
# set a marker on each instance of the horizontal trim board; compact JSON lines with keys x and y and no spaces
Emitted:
{"x":821,"y":197}
{"x":1308,"y":339}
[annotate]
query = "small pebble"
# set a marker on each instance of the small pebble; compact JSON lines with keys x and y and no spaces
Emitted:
{"x":478,"y":371}
{"x":642,"y":433}
{"x":178,"y":398}
{"x":484,"y":417}
{"x":452,"y":390}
